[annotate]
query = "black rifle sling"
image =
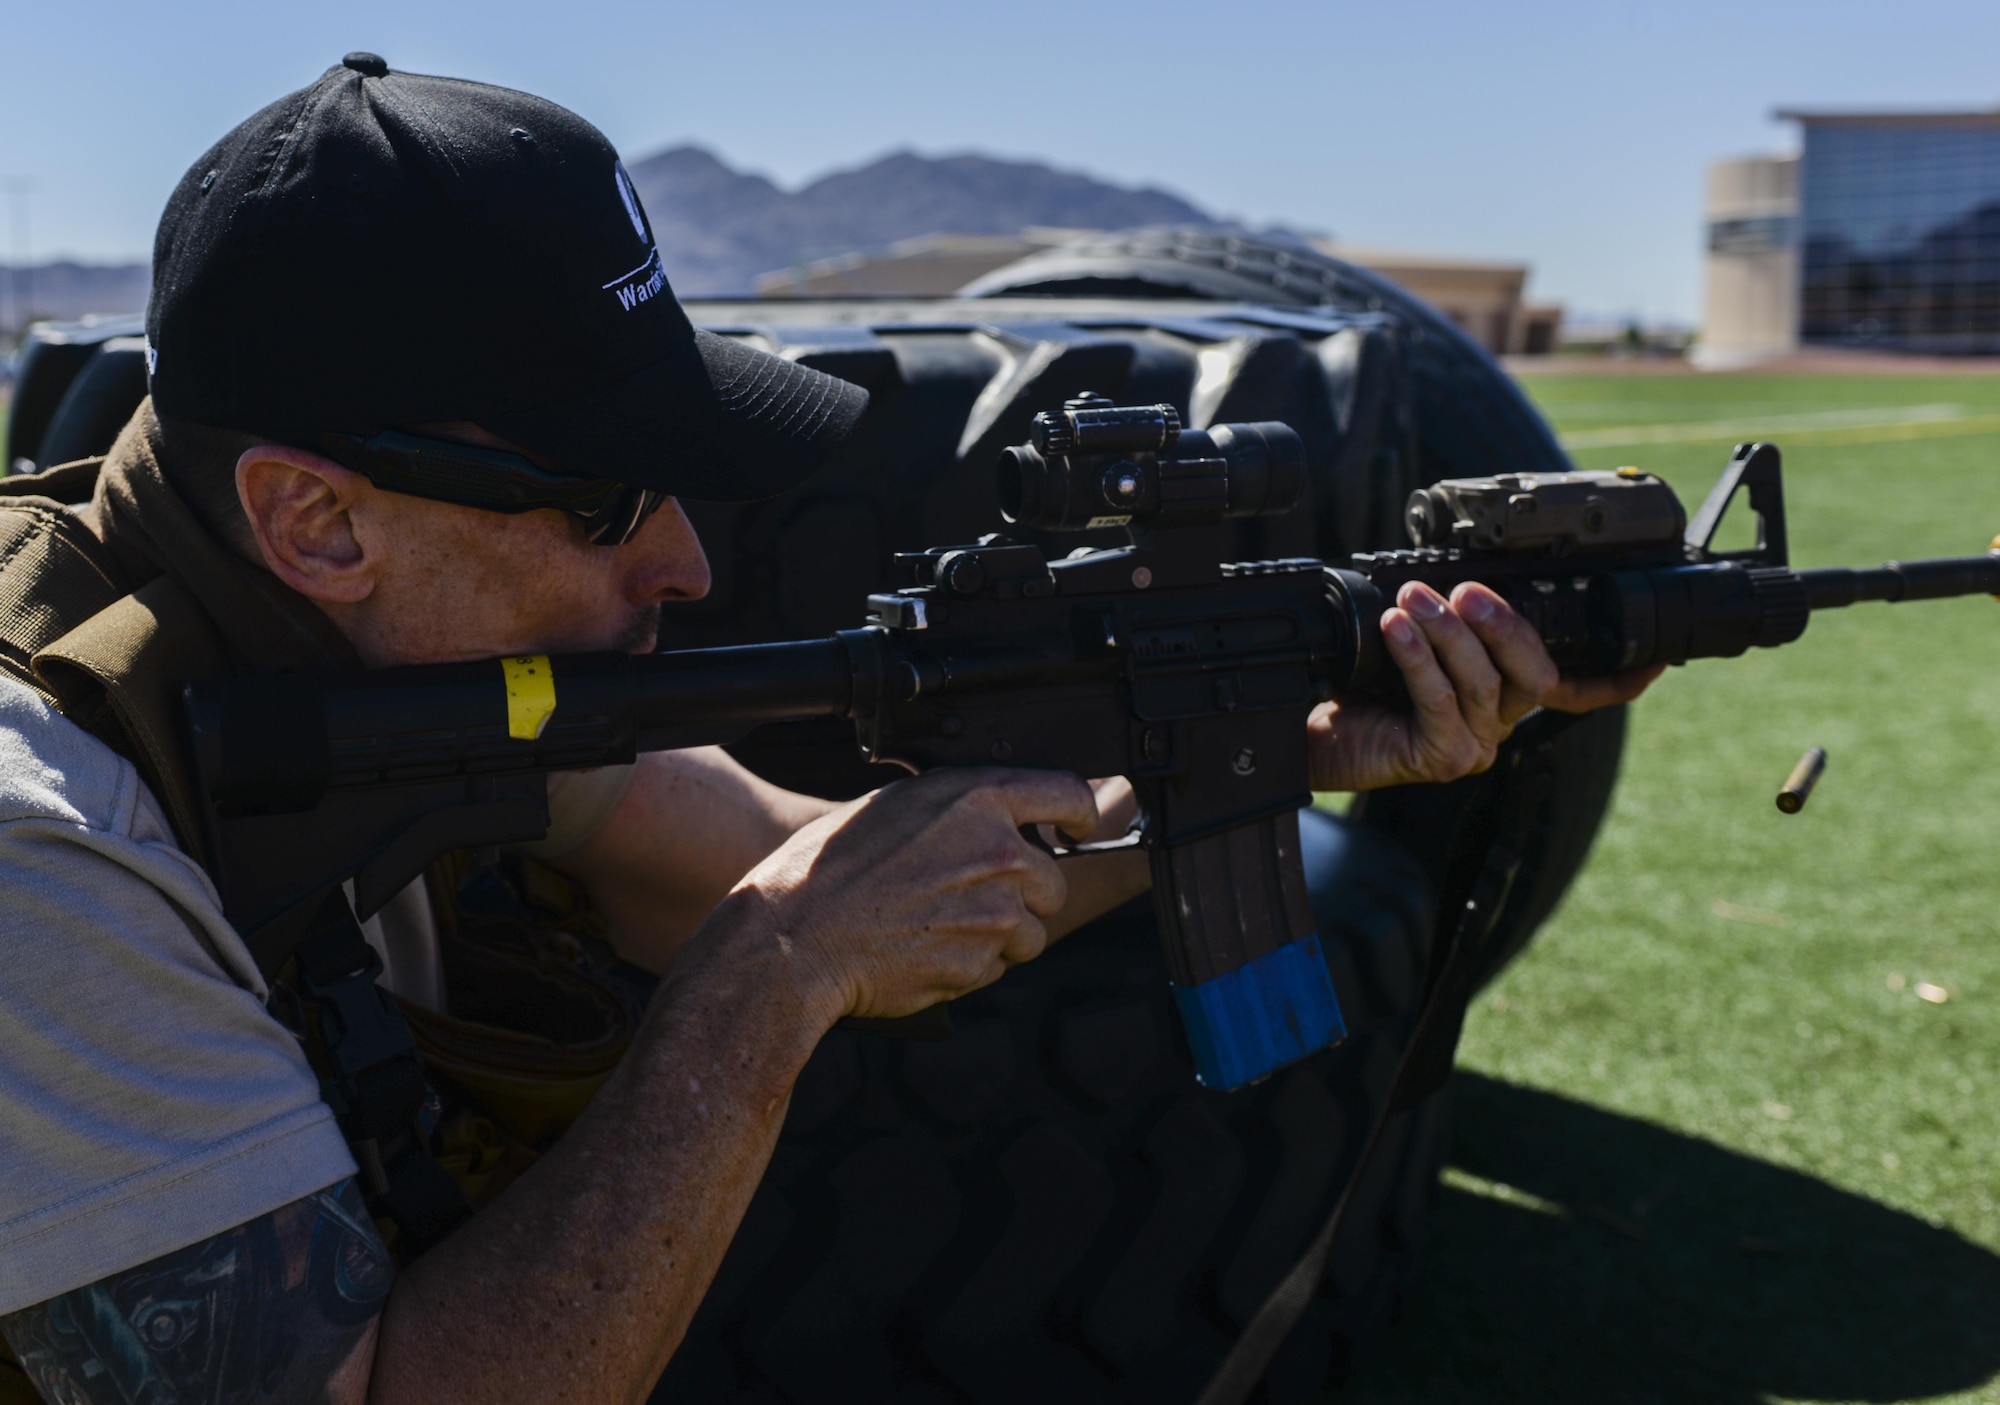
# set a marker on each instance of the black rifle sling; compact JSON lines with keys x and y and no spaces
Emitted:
{"x":1422,"y":1069}
{"x":372,"y":1077}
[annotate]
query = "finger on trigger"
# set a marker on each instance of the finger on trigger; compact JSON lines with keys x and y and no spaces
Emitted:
{"x":1047,"y":797}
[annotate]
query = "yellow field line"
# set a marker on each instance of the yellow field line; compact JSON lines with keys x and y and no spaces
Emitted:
{"x":1888,"y":433}
{"x":1858,"y":434}
{"x":1760,"y":426}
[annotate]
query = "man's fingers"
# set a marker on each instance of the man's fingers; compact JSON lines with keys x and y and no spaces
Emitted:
{"x":1439,"y":719}
{"x":1587,"y":694}
{"x":1463,"y":657}
{"x":1117,"y":807}
{"x":1043,"y":888}
{"x":1041,"y":797}
{"x":1030,"y":939}
{"x":1526,"y":670}
{"x":1027,"y":800}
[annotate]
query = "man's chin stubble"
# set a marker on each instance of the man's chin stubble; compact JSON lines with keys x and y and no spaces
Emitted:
{"x":642,"y":635}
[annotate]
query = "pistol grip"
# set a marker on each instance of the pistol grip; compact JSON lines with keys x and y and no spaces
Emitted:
{"x":1248,"y":973}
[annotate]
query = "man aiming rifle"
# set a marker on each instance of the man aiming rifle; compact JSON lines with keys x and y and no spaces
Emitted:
{"x":421,"y":394}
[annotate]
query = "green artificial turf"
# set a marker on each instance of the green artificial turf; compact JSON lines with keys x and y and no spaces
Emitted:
{"x":1712,"y":1146}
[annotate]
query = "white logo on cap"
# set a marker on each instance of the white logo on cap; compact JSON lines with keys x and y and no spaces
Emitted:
{"x":642,"y":284}
{"x":631,"y":199}
{"x":648,"y":280}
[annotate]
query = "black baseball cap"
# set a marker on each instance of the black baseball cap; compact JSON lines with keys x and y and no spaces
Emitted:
{"x":386,"y":249}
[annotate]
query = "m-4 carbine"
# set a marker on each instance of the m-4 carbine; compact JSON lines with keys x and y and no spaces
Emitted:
{"x":1156,"y":660}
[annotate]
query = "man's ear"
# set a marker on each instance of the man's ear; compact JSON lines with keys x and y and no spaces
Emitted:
{"x":299,"y":506}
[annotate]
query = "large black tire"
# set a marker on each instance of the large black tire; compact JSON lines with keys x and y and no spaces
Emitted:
{"x":1046,"y":1205}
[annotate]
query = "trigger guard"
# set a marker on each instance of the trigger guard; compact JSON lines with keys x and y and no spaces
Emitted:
{"x":1132,"y":839}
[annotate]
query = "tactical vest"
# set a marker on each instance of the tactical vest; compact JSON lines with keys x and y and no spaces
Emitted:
{"x":540,"y":1011}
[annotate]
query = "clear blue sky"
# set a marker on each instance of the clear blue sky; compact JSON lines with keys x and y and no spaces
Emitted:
{"x":1569,"y":133}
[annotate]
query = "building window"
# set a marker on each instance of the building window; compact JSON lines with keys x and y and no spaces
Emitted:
{"x":1901,"y":236}
{"x":1752,"y":236}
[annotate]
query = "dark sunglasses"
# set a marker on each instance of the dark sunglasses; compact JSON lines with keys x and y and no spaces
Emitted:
{"x":490,"y":479}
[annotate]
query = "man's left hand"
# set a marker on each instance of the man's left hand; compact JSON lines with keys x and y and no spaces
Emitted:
{"x":1473,"y":669}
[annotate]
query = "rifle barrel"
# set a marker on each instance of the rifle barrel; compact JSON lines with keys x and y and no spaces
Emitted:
{"x":1831,"y":587}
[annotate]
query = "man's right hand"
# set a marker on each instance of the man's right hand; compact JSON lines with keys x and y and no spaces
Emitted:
{"x":914,"y":894}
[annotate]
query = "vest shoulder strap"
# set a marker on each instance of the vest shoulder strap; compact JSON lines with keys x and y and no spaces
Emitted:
{"x":111,"y":659}
{"x":73,"y":483}
{"x":54,"y":575}
{"x":123,"y":668}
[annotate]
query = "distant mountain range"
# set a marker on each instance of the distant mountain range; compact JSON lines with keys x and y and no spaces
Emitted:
{"x":718,"y":227}
{"x":67,"y":291}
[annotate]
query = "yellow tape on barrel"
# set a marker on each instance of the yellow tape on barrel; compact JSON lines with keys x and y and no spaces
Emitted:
{"x":531,"y":694}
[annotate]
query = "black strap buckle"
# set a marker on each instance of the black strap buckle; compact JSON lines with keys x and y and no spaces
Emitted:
{"x":373,"y":1078}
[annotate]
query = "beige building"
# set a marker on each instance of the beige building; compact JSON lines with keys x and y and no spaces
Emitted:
{"x":1750,"y":304}
{"x":1483,"y":298}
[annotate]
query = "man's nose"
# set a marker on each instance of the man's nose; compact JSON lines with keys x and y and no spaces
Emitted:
{"x":666,"y":559}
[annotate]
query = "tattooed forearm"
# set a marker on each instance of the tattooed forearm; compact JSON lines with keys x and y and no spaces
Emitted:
{"x":268,"y":1311}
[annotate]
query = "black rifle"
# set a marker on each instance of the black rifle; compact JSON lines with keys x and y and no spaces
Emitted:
{"x":1155,"y":660}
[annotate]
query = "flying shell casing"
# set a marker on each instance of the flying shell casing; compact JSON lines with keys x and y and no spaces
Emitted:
{"x":1798,"y":787}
